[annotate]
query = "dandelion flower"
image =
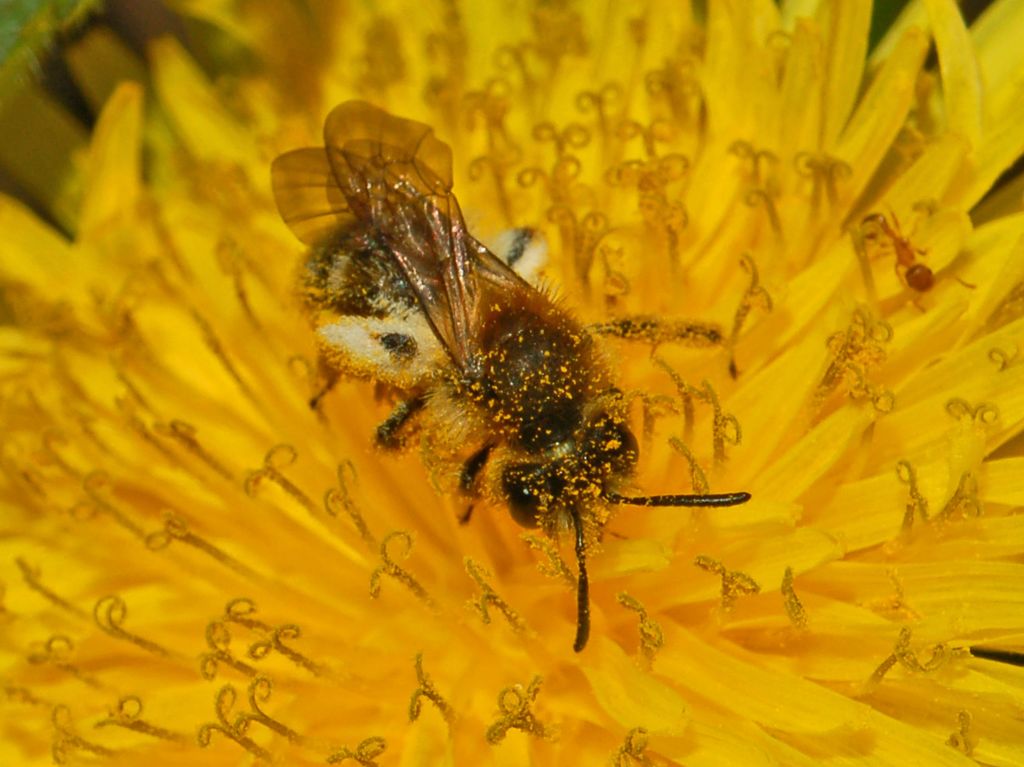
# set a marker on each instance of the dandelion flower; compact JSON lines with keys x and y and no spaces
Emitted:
{"x":199,"y":568}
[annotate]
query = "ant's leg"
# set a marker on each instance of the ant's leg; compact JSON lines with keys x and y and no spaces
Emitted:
{"x":468,"y":477}
{"x":389,"y":432}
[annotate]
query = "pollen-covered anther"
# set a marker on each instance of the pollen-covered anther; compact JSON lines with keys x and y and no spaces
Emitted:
{"x":127,"y":713}
{"x":489,"y":598}
{"x":725,"y":428}
{"x":655,"y":132}
{"x":184,"y":434}
{"x":260,"y":689}
{"x":233,"y":261}
{"x":109,"y":615}
{"x":276,"y":642}
{"x":631,"y":752}
{"x":176,"y":529}
{"x":96,"y":485}
{"x":218,"y":639}
{"x":224,"y":702}
{"x":686,"y":395}
{"x":572,"y":136}
{"x":278,"y":458}
{"x":555,"y":566}
{"x":242,"y":610}
{"x":754,"y":297}
{"x":66,"y":740}
{"x":390,"y":568}
{"x":651,"y":636}
{"x":856,"y":351}
{"x":1004,"y":359}
{"x":678,"y":85}
{"x":794,"y":608}
{"x":904,"y":656}
{"x":917,"y":506}
{"x":825,"y":173}
{"x":56,"y":651}
{"x":32,"y":576}
{"x":49,"y":453}
{"x":426,"y":689}
{"x":962,"y":739}
{"x":698,"y":479}
{"x":129,"y":412}
{"x":763,"y":198}
{"x":860,"y":388}
{"x":601,"y":103}
{"x":983,"y":414}
{"x":910,"y":660}
{"x":964,"y":502}
{"x":734,"y":582}
{"x":365,"y":753}
{"x":214,"y":344}
{"x":25,"y":696}
{"x":615,"y":283}
{"x":515,"y":713}
{"x":757,"y":161}
{"x":895,"y":606}
{"x":340,"y":499}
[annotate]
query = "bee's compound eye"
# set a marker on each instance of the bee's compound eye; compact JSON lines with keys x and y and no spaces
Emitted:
{"x":524,"y":488}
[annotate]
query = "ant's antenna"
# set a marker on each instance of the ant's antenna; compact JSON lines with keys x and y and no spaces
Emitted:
{"x":719,"y":499}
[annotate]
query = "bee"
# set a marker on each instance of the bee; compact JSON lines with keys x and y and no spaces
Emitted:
{"x":916,"y":275}
{"x":511,"y":385}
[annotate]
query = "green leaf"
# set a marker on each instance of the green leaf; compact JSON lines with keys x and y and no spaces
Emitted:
{"x":27,"y":28}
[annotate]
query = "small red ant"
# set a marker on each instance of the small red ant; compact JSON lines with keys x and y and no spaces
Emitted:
{"x":915,"y":274}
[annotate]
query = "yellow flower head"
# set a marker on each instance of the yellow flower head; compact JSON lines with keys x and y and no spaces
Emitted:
{"x":799,"y":257}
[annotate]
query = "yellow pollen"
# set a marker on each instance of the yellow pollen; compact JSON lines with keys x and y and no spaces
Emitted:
{"x":515,"y":713}
{"x":489,"y":597}
{"x":794,"y":608}
{"x":365,"y":753}
{"x":426,"y":689}
{"x":390,"y":568}
{"x":734,"y":582}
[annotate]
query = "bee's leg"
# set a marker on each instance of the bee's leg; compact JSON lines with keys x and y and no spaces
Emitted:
{"x":656,"y":330}
{"x":468,"y":476}
{"x":330,"y":376}
{"x":389,"y":432}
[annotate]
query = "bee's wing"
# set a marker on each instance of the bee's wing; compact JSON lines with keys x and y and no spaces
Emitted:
{"x":396,"y":177}
{"x":307,"y":195}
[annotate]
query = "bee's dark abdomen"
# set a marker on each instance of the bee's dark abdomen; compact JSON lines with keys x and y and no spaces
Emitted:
{"x":352,"y":274}
{"x":536,"y":376}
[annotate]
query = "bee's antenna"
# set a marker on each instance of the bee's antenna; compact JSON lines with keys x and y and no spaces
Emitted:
{"x":718,"y":499}
{"x":1010,"y":657}
{"x":582,"y":587}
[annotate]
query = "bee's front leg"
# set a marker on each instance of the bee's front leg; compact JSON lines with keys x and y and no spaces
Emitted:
{"x":389,"y":433}
{"x":468,"y":478}
{"x":329,"y":376}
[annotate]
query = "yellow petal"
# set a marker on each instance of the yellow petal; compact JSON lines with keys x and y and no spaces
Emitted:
{"x":631,"y":697}
{"x":961,"y":80}
{"x":112,"y":169}
{"x":846,"y":24}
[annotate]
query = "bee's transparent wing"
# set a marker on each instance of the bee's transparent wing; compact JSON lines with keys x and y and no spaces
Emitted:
{"x":396,"y":178}
{"x":308,"y":196}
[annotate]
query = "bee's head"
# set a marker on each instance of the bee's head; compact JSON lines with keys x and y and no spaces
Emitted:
{"x":605,"y":448}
